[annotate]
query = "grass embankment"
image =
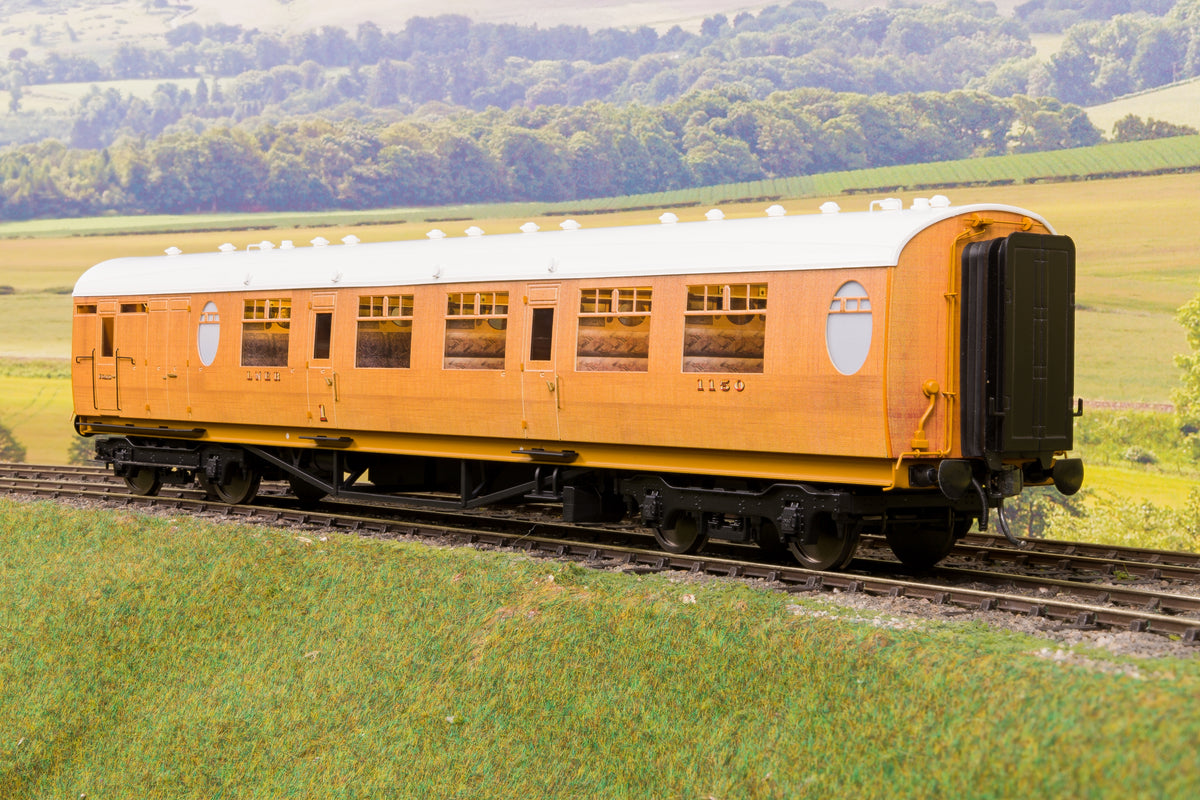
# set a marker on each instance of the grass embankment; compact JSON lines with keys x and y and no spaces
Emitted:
{"x":150,"y":657}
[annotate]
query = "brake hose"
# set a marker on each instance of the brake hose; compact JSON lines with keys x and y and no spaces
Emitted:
{"x":986,"y":513}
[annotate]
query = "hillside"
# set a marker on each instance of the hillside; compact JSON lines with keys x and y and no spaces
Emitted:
{"x":446,"y":110}
{"x":1178,"y":103}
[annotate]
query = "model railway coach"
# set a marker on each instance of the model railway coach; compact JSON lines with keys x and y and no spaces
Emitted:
{"x":790,"y":381}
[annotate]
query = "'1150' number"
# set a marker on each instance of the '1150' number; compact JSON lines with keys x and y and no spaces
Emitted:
{"x":713,"y":385}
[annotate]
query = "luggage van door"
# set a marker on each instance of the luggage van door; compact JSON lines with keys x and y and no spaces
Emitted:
{"x":169,"y":355}
{"x":541,"y":384}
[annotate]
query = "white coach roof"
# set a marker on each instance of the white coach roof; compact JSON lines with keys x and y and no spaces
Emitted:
{"x":775,"y":243}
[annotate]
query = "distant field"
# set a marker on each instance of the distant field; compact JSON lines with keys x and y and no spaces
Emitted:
{"x":39,"y":413}
{"x":62,"y":97}
{"x":1179,"y":104}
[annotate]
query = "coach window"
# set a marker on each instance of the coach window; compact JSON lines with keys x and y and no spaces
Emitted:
{"x":476,"y":326}
{"x":614,"y":330}
{"x":266,"y":329}
{"x":384,"y":331}
{"x":724,"y":328}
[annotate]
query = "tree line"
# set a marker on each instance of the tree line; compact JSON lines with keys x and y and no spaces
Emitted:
{"x":548,"y":153}
{"x":371,"y":74}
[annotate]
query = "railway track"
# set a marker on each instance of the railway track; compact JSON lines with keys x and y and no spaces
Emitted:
{"x":1088,"y":587}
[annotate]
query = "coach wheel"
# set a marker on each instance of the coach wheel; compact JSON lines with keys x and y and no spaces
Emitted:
{"x":305,"y":492}
{"x":920,"y":545}
{"x":239,"y":489}
{"x":833,"y":547}
{"x":145,"y":482}
{"x":683,"y":535}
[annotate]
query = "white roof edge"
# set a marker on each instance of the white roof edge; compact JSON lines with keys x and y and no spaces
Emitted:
{"x":761,"y":244}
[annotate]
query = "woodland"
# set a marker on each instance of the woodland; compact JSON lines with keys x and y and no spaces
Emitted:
{"x":446,"y":110}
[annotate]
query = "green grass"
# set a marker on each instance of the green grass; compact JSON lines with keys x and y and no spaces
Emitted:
{"x":1137,"y":454}
{"x":154,"y":657}
{"x":35,"y":325}
{"x":1165,"y":490}
{"x":1123,"y":356}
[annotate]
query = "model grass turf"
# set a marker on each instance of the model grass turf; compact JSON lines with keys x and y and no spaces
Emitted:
{"x":157,"y":657}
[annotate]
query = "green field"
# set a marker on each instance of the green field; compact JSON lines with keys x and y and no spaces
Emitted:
{"x":152,"y":657}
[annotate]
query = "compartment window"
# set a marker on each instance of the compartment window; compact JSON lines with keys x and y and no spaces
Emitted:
{"x":107,"y":335}
{"x":322,"y":335}
{"x":266,"y":328}
{"x":476,"y":327}
{"x":724,"y":328}
{"x":85,"y":308}
{"x":384,"y":332}
{"x":614,"y":330}
{"x":541,"y":335}
{"x":133,"y":308}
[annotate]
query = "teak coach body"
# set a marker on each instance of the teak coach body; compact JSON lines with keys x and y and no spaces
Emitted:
{"x":786,"y":380}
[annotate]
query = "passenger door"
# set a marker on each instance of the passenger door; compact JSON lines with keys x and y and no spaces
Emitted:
{"x":324,"y":391}
{"x":541,"y":384}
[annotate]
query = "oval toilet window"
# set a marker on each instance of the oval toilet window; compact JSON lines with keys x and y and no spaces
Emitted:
{"x":208,"y":335}
{"x":848,"y":328}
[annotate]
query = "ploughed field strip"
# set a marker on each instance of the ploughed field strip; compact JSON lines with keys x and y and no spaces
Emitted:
{"x":1073,"y":584}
